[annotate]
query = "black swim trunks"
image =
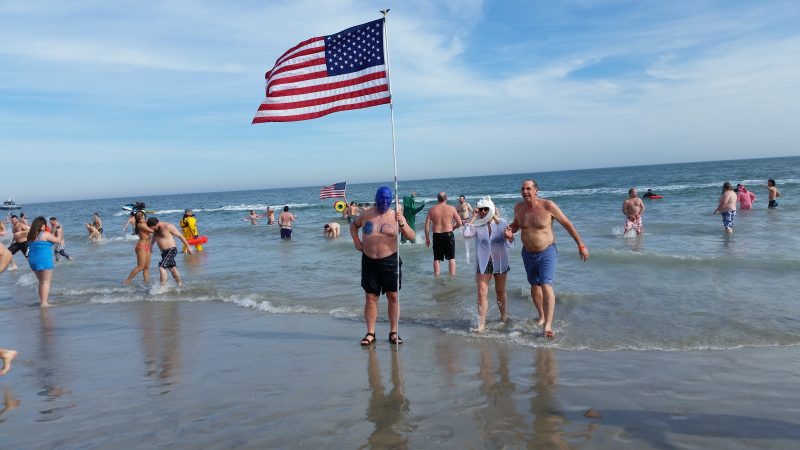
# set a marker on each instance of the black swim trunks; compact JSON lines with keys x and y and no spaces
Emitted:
{"x":286,"y":233}
{"x":379,"y":276}
{"x":444,"y":246}
{"x":168,"y":258}
{"x":772,"y":204}
{"x":19,"y":247}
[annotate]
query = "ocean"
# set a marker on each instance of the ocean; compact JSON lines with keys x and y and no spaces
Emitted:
{"x":683,"y":285}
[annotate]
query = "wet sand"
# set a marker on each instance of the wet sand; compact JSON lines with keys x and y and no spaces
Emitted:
{"x":214,"y":375}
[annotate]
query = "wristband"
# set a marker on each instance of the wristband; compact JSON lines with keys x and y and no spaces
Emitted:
{"x":581,"y":247}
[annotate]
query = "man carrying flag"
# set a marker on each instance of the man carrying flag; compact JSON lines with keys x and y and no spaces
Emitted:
{"x":380,"y":265}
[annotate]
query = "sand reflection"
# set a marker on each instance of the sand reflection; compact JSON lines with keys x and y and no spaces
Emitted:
{"x":160,"y":327}
{"x":548,"y":421}
{"x":49,"y":372}
{"x":499,"y":422}
{"x":389,"y":412}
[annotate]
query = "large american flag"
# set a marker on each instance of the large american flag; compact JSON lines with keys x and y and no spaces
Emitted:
{"x":326,"y":74}
{"x":333,"y":191}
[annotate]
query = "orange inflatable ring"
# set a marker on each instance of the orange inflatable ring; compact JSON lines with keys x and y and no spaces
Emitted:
{"x":198,"y":240}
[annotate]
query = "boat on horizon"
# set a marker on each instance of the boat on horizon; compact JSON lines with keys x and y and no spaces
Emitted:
{"x":10,"y":204}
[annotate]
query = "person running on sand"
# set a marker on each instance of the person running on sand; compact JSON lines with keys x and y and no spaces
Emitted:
{"x":380,"y":272}
{"x":774,"y":193}
{"x":533,"y":218}
{"x":40,"y":256}
{"x":727,"y":207}
{"x":7,"y":355}
{"x":491,"y":244}
{"x":163,"y":235}
{"x":285,"y":221}
{"x":58,"y":231}
{"x":331,"y":230}
{"x":633,"y":208}
{"x":441,"y":220}
{"x":143,"y":248}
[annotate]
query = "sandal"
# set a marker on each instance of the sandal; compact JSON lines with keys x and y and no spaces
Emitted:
{"x":397,"y":339}
{"x":366,"y":341}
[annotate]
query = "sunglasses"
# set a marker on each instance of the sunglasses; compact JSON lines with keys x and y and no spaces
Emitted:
{"x":483,"y":209}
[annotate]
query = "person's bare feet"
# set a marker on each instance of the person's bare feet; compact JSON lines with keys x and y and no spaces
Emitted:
{"x":45,"y":305}
{"x":7,"y":356}
{"x":540,"y":322}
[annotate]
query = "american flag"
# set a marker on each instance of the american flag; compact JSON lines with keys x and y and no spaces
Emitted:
{"x":333,"y":191}
{"x":327,"y":74}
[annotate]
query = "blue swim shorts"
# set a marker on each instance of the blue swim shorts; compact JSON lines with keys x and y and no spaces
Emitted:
{"x":727,"y":218}
{"x":541,"y":266}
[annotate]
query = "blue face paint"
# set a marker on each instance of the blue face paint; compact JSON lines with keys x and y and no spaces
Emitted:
{"x":383,"y":199}
{"x":368,"y":228}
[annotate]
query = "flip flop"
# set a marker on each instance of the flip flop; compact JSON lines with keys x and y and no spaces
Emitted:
{"x":367,"y":341}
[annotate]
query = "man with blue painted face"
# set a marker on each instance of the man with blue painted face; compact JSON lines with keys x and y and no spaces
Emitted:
{"x":380,"y":268}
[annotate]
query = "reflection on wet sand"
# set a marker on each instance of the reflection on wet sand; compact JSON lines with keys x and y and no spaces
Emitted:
{"x":48,"y":373}
{"x":389,"y":412}
{"x":447,"y":355}
{"x":500,"y":423}
{"x":548,"y":421}
{"x":160,"y":323}
{"x":9,"y":403}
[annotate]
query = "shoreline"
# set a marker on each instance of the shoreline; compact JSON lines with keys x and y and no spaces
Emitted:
{"x":189,"y":375}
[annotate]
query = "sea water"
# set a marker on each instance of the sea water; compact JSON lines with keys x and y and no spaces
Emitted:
{"x":683,"y":285}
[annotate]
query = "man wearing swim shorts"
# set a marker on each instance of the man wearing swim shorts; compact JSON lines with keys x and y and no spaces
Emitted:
{"x":163,"y":236}
{"x":633,"y":207}
{"x":774,"y":193}
{"x":441,"y":220}
{"x":285,"y":220}
{"x":464,"y":209}
{"x":533,"y":218}
{"x":19,"y":242}
{"x":380,"y":264}
{"x":727,"y":207}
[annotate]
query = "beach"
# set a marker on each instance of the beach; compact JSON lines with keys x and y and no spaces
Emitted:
{"x":683,"y":337}
{"x":206,"y":375}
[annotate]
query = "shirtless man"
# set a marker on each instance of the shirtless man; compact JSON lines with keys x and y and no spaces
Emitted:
{"x":331,"y":230}
{"x":727,"y":207}
{"x":633,"y":207}
{"x":285,"y":220}
{"x":97,"y":223}
{"x":19,"y":241}
{"x":442,"y":219}
{"x":163,"y":235}
{"x":534,"y":217}
{"x":464,"y":209}
{"x":380,"y":268}
{"x":774,"y":193}
{"x":58,"y":232}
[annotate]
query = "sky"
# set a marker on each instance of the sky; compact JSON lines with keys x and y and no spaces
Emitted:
{"x":106,"y":99}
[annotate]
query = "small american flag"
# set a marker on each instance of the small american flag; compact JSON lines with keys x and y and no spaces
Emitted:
{"x":326,"y":74}
{"x":333,"y":191}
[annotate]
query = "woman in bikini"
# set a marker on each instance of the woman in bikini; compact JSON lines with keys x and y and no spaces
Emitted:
{"x":143,"y":248}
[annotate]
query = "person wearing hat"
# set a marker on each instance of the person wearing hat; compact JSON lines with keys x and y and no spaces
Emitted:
{"x":491,"y":245}
{"x":189,"y":228}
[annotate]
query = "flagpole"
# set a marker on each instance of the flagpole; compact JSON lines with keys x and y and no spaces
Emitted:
{"x":385,"y":12}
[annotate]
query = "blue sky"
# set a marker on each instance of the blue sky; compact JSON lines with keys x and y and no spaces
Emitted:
{"x":104,"y":99}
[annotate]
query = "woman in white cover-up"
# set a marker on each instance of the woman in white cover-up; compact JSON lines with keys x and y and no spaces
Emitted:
{"x":491,"y":261}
